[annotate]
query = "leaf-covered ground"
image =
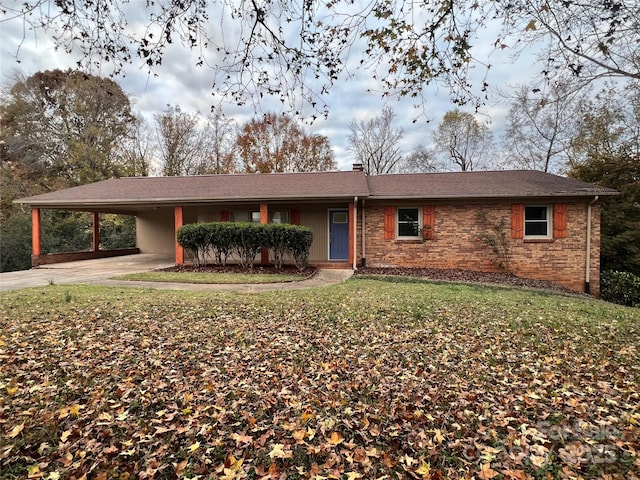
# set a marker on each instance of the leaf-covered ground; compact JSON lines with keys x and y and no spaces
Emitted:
{"x":368,"y":379}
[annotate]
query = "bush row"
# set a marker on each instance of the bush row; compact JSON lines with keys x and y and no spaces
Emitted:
{"x":246,"y":240}
{"x":622,"y":288}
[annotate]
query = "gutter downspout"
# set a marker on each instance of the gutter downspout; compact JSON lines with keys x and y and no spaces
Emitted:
{"x":355,"y":232}
{"x":364,"y":256}
{"x":587,"y":275}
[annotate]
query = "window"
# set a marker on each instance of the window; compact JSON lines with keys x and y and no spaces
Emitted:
{"x":537,"y":222}
{"x":245,"y":216}
{"x":280,"y":217}
{"x":340,"y":217}
{"x":408,"y":222}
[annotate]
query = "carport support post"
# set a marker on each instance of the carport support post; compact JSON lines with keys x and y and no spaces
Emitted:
{"x":264,"y":219}
{"x":178,"y":224}
{"x":35,"y":235}
{"x":95,"y":241}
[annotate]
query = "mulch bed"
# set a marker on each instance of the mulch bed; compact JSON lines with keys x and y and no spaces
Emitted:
{"x":257,"y":269}
{"x":466,"y":276}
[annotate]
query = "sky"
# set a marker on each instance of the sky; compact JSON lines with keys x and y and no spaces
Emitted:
{"x":179,"y":82}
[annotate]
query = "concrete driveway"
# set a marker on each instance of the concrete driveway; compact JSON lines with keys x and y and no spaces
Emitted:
{"x":100,"y":271}
{"x":83,"y":271}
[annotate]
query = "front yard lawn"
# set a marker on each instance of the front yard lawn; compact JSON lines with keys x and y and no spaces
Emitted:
{"x":368,"y":379}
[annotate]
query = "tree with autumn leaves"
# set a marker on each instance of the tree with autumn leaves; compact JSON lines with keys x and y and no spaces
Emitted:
{"x":275,"y":143}
{"x":61,"y":129}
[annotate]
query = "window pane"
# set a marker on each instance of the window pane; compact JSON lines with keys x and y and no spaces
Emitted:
{"x":408,"y":215}
{"x":340,"y":217}
{"x":535,"y":213}
{"x":535,"y":229}
{"x":255,"y":217}
{"x":408,"y":229}
{"x":239,"y":216}
{"x":280,"y":217}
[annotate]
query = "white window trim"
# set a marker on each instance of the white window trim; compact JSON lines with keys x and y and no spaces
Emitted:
{"x":549,"y":223}
{"x":412,"y":237}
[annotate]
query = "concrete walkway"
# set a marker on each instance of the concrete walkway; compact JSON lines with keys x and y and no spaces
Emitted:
{"x":101,"y":271}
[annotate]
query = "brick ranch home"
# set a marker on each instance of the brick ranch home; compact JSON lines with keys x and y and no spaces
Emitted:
{"x":551,"y":224}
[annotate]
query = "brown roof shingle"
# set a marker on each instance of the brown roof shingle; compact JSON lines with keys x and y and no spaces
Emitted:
{"x":493,"y":184}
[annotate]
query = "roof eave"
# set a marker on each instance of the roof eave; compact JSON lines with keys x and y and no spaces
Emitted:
{"x":494,"y":196}
{"x":178,"y":201}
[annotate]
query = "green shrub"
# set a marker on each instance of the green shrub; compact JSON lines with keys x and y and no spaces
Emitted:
{"x":622,"y":288}
{"x":277,"y":241}
{"x":298,"y":245}
{"x":249,"y":238}
{"x":246,"y":240}
{"x":222,"y":240}
{"x":195,"y":239}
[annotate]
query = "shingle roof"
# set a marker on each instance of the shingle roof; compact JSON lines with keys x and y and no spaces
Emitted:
{"x":496,"y":184}
{"x":313,"y":186}
{"x":208,"y":188}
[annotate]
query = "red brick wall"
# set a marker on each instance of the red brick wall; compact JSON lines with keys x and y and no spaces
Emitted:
{"x":454,"y":244}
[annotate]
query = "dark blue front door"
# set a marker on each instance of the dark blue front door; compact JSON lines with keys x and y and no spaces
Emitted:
{"x":339,"y":235}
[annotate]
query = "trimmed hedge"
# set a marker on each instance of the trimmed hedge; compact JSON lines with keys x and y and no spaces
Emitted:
{"x":246,"y":240}
{"x":622,"y":288}
{"x":196,"y":240}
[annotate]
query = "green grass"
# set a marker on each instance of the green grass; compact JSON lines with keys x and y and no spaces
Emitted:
{"x":205,"y":278}
{"x":366,"y":379}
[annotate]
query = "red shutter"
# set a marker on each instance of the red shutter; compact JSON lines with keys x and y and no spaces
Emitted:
{"x":295,"y":217}
{"x":225,"y":216}
{"x":517,"y":220}
{"x":389,"y":223}
{"x":428,"y":221}
{"x":560,"y":220}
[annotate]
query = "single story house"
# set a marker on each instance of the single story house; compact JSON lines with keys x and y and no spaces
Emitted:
{"x":534,"y":224}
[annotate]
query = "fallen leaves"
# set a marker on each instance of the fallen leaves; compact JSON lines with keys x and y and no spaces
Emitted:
{"x":278,"y":452}
{"x":364,"y":380}
{"x":486,"y":472}
{"x":15,"y":431}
